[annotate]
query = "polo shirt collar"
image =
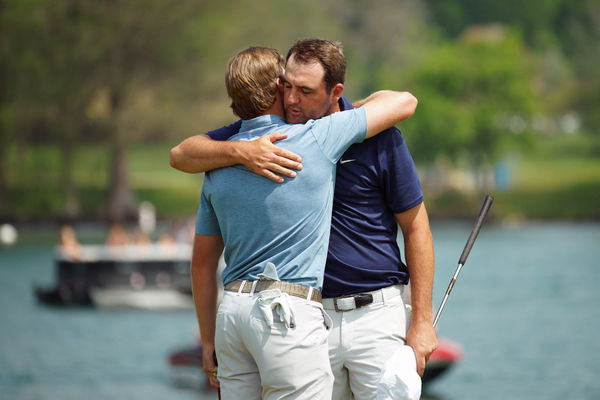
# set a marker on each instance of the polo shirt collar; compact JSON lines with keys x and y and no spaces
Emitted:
{"x":261,"y":122}
{"x":345,"y":104}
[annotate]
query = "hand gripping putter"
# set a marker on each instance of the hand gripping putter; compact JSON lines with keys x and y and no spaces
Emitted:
{"x":487,"y":203}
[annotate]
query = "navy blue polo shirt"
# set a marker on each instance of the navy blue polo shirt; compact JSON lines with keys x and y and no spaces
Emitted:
{"x":374,"y":180}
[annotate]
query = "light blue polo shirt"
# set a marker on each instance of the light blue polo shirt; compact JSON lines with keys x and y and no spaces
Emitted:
{"x":286,"y":223}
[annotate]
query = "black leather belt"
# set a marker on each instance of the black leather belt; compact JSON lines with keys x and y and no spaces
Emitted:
{"x":358,"y":300}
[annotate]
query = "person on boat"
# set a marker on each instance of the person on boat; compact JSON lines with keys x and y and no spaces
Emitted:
{"x":140,"y":238}
{"x":271,"y":330}
{"x":117,"y":236}
{"x":69,"y":245}
{"x":377,"y":189}
{"x":179,"y":232}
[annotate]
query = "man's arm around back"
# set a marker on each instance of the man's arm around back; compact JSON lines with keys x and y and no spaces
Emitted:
{"x":386,"y":108}
{"x":200,"y":153}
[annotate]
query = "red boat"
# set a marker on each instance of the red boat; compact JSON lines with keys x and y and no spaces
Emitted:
{"x":186,"y":365}
{"x":442,"y":360}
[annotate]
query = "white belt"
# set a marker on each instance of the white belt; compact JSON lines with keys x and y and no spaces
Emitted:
{"x":354,"y":301}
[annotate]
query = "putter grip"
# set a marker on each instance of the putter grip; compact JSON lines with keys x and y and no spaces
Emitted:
{"x":487,"y":203}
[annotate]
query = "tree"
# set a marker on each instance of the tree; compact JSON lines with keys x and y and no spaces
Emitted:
{"x":384,"y":35}
{"x":579,"y":29}
{"x":68,"y":52}
{"x":534,"y":19}
{"x":466,"y":89}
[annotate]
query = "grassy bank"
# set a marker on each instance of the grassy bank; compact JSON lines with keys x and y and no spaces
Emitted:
{"x":560,"y":179}
{"x":34,"y":191}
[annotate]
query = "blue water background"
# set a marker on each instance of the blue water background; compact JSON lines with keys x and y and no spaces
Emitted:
{"x":525,"y":309}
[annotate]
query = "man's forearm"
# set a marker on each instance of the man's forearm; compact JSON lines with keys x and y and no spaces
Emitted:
{"x":420,"y":265}
{"x":204,"y":284}
{"x":418,"y":249}
{"x":420,"y":262}
{"x":204,"y":287}
{"x":200,"y":154}
{"x":386,"y":108}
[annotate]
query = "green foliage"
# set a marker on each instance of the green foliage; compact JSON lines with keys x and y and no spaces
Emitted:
{"x":579,"y":29}
{"x":567,"y":26}
{"x":570,"y":202}
{"x":534,"y":18}
{"x":85,"y":80}
{"x":560,"y":180}
{"x":467,"y":89}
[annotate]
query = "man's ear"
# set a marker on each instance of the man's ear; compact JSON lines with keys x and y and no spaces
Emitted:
{"x":336,"y":91}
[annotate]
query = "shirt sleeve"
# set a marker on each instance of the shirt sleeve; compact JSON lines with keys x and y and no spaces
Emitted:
{"x":225,"y":132}
{"x":399,"y":177}
{"x":206,"y":219}
{"x":338,"y":131}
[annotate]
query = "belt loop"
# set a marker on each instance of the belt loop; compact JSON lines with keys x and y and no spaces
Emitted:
{"x":242,"y":284}
{"x":310,"y":291}
{"x":253,"y":288}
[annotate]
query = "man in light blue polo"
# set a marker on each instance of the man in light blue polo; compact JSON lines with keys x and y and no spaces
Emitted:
{"x":271,"y":329}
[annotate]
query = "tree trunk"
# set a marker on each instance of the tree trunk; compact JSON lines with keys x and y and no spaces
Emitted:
{"x":6,"y":138}
{"x":3,"y":182}
{"x":67,"y":183}
{"x":121,"y":203}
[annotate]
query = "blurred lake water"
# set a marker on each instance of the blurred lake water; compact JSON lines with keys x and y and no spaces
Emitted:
{"x":525,"y":310}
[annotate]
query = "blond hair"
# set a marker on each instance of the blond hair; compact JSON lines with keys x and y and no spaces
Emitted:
{"x":251,"y":80}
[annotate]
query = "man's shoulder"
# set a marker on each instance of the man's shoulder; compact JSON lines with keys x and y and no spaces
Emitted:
{"x":338,"y":119}
{"x":345,"y":104}
{"x":390,"y":136}
{"x":225,"y":132}
{"x":261,"y":126}
{"x":387,"y":142}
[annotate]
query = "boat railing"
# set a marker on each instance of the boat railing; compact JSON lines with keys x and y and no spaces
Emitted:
{"x":128,"y":253}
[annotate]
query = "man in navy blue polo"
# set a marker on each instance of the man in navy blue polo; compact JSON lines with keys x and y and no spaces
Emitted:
{"x":377,"y":190}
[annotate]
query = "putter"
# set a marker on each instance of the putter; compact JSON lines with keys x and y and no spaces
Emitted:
{"x":487,"y":203}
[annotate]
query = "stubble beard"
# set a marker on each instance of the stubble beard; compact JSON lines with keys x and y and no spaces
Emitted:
{"x":302,"y":118}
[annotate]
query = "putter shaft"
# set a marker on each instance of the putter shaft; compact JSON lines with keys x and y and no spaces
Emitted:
{"x":487,"y":203}
{"x":448,"y":291}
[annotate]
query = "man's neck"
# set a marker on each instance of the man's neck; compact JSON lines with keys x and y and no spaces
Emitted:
{"x":275,"y":109}
{"x":335,"y":107}
{"x":278,"y":113}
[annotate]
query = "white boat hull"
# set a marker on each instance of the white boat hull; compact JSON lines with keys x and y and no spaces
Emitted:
{"x":149,"y":299}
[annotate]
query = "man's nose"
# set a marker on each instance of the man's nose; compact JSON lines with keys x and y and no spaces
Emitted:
{"x":292,"y":96}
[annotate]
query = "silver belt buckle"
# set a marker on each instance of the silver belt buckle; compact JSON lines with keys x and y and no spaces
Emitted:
{"x":356,"y":300}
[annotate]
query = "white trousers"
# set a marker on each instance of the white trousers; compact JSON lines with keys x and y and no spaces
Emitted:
{"x":360,"y":343}
{"x":261,"y":362}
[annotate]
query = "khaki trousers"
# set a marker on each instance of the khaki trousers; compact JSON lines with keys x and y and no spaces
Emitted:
{"x":272,"y":363}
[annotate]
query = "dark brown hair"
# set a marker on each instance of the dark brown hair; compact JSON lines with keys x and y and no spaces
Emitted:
{"x":327,"y":53}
